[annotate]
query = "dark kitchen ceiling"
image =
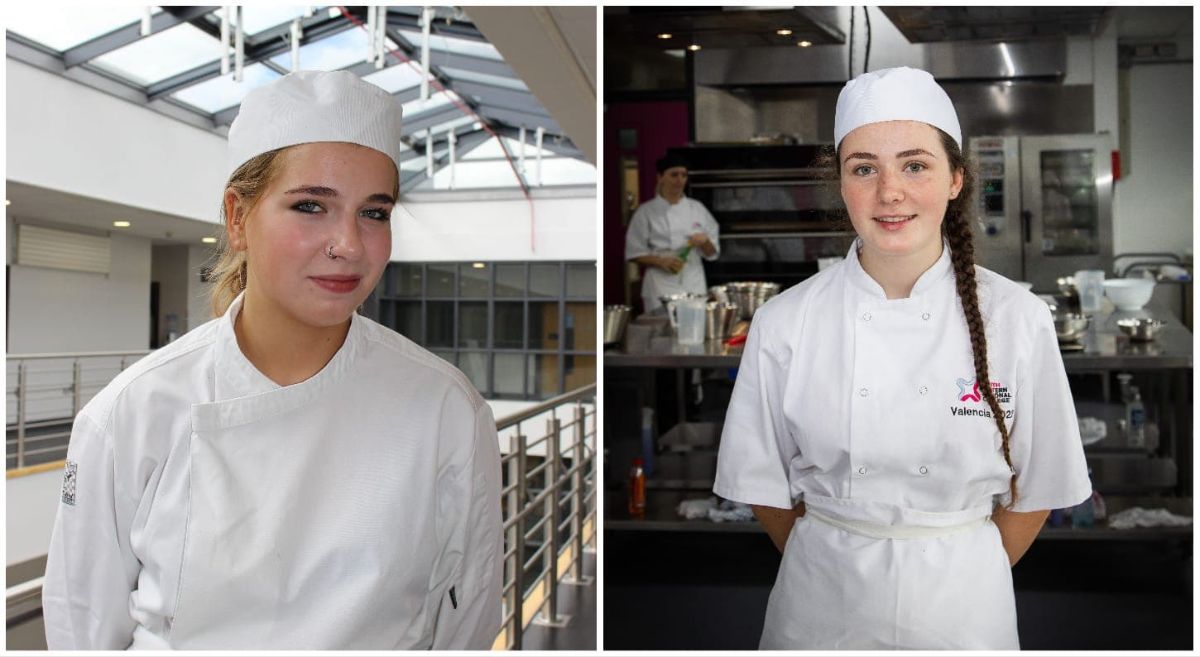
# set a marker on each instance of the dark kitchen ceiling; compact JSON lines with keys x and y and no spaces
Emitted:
{"x":934,"y":24}
{"x":721,"y":27}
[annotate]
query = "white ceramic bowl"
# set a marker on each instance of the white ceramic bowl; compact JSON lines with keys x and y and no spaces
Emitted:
{"x":1129,"y":293}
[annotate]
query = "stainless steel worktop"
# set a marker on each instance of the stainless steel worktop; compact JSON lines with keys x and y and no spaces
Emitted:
{"x":1104,"y":348}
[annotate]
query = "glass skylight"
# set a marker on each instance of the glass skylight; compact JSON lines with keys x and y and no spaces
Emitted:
{"x":62,"y":27}
{"x":222,"y":92}
{"x":259,"y":17}
{"x":329,"y":54}
{"x":451,"y":44}
{"x":159,"y":56}
{"x":394,"y":78}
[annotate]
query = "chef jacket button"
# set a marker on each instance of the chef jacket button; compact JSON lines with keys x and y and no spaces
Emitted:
{"x":862,"y":470}
{"x":866,"y":317}
{"x":923,"y":470}
{"x":925,"y":316}
{"x":862,"y":392}
{"x":923,"y":390}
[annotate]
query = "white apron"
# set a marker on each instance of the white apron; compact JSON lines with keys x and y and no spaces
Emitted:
{"x":865,"y":408}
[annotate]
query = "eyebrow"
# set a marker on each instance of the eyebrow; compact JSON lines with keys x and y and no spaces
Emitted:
{"x":329,"y":192}
{"x":902,"y":154}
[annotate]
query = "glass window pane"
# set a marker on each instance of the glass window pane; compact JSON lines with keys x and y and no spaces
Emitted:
{"x":436,"y":99}
{"x":404,"y":280}
{"x":510,"y":280}
{"x":439,"y":324}
{"x":544,"y":280}
{"x":329,"y":54}
{"x":510,"y":374}
{"x":65,"y":26}
{"x":1070,"y":209}
{"x":580,"y":327}
{"x":441,"y":280}
{"x":543,"y":325}
{"x":472,"y":325}
{"x":159,"y":56}
{"x":395,"y":78}
{"x":408,"y":319}
{"x":259,"y":17}
{"x":474,"y":365}
{"x":543,"y":376}
{"x":510,"y":316}
{"x":581,"y":280}
{"x":580,"y":371}
{"x":473,"y":280}
{"x":222,"y":92}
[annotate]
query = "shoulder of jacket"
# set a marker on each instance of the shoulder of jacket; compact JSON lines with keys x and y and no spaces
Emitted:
{"x":412,"y":354}
{"x":148,"y":370}
{"x":1002,"y":299}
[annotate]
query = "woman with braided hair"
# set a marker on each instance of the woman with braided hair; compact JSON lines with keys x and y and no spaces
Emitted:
{"x":901,"y":422}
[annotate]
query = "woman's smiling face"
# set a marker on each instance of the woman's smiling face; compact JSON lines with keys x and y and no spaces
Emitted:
{"x":896,"y":181}
{"x":326,"y":194}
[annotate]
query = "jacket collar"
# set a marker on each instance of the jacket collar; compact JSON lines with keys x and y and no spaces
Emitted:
{"x":937,"y":273}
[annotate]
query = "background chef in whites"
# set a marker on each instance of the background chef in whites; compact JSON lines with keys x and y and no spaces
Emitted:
{"x":670,"y":235}
{"x":290,"y":475}
{"x":901,"y":421}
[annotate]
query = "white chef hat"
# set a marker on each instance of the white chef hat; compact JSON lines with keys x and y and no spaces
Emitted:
{"x":311,"y":106}
{"x":894,"y":94}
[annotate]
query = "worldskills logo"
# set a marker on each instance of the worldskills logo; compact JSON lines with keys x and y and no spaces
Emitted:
{"x":973,"y":395}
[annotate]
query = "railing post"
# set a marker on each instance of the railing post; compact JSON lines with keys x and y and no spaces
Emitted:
{"x":22,"y":383}
{"x":551,"y":512}
{"x":579,"y":503}
{"x":76,"y":386}
{"x":519,"y":546}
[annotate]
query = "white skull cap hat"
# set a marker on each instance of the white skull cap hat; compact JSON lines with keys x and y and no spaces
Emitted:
{"x":894,"y":94}
{"x":313,"y":106}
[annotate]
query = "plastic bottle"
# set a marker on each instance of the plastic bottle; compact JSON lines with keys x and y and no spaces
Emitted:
{"x":637,"y":490}
{"x":1123,"y":380}
{"x":1135,"y":419}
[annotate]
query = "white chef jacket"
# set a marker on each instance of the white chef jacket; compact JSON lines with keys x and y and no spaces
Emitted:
{"x":660,"y":228}
{"x":204,"y":506}
{"x":866,"y":409}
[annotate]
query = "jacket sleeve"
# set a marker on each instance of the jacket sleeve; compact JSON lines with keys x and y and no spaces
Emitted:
{"x":756,"y":448}
{"x":637,"y":236}
{"x":713,"y":230}
{"x":1046,"y":449}
{"x":469,"y":607}
{"x":90,"y":568}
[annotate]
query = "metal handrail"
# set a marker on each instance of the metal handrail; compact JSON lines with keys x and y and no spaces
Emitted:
{"x":513,"y":419}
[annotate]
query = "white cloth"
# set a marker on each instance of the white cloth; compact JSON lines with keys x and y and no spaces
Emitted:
{"x":865,"y":406}
{"x":1139,"y":517}
{"x":213,"y":509}
{"x":661,"y":228}
{"x":312,"y":106}
{"x":894,"y":94}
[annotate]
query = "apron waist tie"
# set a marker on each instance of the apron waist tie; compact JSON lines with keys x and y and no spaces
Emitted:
{"x":876,"y":530}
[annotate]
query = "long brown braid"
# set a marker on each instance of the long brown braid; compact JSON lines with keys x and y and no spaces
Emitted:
{"x":956,"y":228}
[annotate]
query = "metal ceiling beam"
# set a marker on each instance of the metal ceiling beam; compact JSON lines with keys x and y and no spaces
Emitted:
{"x":518,"y":118}
{"x":409,"y":18}
{"x":487,"y":94}
{"x":123,"y":36}
{"x":316,"y":28}
{"x":555,"y":143}
{"x":466,"y":144}
{"x":429,"y":118}
{"x":473,"y":64}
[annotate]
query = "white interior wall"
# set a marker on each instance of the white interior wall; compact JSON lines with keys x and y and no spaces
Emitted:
{"x":1153,"y":203}
{"x":55,"y":310}
{"x":66,"y":136}
{"x":29,"y":510}
{"x":563,"y":229}
{"x":168,"y":267}
{"x":198,"y":310}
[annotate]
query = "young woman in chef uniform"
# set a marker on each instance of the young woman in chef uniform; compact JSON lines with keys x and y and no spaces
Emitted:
{"x":290,"y":474}
{"x":901,"y":421}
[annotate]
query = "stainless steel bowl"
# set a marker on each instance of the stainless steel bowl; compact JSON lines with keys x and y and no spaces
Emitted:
{"x":616,"y":318}
{"x":1070,"y":326}
{"x":1140,"y":329}
{"x":750,"y":295}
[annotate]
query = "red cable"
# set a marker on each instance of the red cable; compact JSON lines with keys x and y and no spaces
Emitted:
{"x":465,"y":109}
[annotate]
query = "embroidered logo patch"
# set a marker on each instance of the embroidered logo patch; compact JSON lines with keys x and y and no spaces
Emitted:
{"x":68,"y":488}
{"x":973,"y":395}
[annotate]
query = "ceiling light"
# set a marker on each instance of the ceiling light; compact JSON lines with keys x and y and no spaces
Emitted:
{"x":664,"y":35}
{"x":122,"y":224}
{"x":804,"y":44}
{"x":208,"y":240}
{"x":479,"y":265}
{"x":7,"y":202}
{"x":694,"y":47}
{"x":783,"y":32}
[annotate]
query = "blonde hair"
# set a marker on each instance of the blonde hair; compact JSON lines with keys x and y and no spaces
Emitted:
{"x":250,"y":181}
